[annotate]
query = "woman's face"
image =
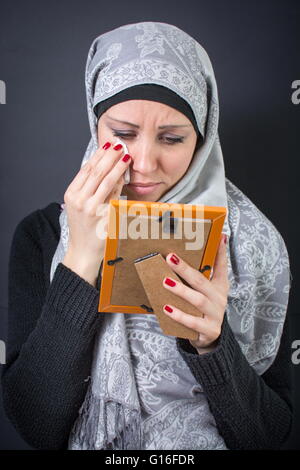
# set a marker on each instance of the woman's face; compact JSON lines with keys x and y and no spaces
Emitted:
{"x":160,"y":140}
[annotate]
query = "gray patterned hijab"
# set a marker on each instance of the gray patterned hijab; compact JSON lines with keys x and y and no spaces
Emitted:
{"x":141,"y":393}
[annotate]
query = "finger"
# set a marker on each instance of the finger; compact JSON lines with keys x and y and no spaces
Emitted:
{"x":99,"y":171}
{"x":196,"y":298}
{"x":199,"y":324}
{"x":110,"y":181}
{"x":100,"y":152}
{"x":84,"y":172}
{"x":193,"y":277}
{"x":117,"y":190}
{"x":81,"y":177}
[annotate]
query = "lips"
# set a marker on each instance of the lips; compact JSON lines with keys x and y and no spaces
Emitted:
{"x":142,"y":188}
{"x":144,"y":185}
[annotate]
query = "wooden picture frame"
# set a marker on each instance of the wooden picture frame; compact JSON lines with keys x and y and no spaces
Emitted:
{"x":122,"y":289}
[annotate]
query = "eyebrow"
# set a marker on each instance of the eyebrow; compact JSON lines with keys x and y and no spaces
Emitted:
{"x":159,"y":127}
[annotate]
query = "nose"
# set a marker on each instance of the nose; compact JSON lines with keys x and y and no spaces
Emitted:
{"x":144,"y":157}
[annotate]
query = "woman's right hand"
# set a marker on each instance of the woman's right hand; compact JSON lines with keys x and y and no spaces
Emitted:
{"x":86,"y":199}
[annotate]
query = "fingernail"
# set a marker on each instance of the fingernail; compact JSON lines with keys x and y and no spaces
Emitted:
{"x":174,"y":259}
{"x":169,"y":282}
{"x":106,"y":146}
{"x":126,"y":157}
{"x":168,"y":308}
{"x":118,"y":147}
{"x":224,"y":239}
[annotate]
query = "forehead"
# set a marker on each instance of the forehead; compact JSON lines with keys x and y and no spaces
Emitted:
{"x":146,"y":110}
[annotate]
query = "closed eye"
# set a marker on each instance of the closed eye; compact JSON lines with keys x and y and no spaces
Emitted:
{"x":168,"y":140}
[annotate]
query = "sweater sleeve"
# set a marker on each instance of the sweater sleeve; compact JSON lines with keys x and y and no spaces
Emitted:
{"x":50,"y":344}
{"x":251,"y":411}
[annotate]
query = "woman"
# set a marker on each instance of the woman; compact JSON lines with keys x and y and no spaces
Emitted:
{"x":79,"y":379}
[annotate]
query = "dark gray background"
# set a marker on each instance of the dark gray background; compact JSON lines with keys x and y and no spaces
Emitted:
{"x":44,"y":127}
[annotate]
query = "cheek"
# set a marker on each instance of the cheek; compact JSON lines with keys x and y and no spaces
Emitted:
{"x":101,"y":135}
{"x":175,"y":165}
{"x":104,"y":134}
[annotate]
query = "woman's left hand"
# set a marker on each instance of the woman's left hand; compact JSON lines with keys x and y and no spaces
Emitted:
{"x":209,"y":296}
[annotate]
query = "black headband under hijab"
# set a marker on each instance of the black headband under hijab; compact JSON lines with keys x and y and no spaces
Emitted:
{"x":151,"y":92}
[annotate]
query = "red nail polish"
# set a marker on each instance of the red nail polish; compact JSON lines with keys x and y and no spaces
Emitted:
{"x":106,"y":146}
{"x":174,"y":259}
{"x":224,"y":239}
{"x":169,"y":282}
{"x":169,"y":309}
{"x":118,"y":147}
{"x":126,"y":157}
